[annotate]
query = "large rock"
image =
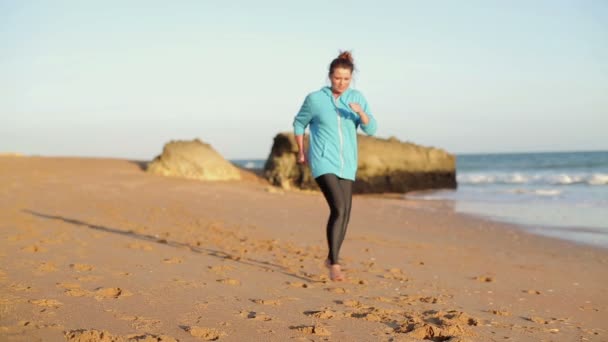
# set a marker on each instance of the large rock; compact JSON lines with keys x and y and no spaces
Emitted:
{"x":281,"y":167}
{"x":193,"y":159}
{"x":385,"y":165}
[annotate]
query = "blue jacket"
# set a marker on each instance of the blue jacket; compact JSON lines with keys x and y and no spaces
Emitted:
{"x":333,"y":131}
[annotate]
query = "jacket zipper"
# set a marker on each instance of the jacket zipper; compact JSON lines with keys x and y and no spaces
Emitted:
{"x":341,"y":139}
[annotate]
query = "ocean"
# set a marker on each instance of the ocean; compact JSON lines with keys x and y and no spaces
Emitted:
{"x":558,"y":194}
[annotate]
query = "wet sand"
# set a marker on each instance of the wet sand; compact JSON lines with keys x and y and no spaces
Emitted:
{"x":98,"y":250}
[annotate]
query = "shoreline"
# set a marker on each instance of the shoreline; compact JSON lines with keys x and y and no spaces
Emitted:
{"x":94,"y":245}
{"x":530,"y":230}
{"x":486,"y":211}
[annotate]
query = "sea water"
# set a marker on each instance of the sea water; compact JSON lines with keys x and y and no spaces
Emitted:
{"x":560,"y":194}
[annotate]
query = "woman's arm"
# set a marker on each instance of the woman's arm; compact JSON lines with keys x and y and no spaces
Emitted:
{"x":368,"y":122}
{"x":300,"y":122}
{"x":301,"y":154}
{"x":362,"y":115}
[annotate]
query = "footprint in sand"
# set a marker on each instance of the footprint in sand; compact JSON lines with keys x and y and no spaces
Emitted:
{"x":173,"y":260}
{"x":103,"y":336}
{"x":374,"y":314}
{"x":141,"y":323}
{"x":384,"y":299}
{"x":140,"y":246}
{"x":81,"y":267}
{"x":536,"y":292}
{"x":368,"y":316}
{"x":220,"y":269}
{"x":187,"y":283}
{"x":298,"y":285}
{"x":396,"y":274}
{"x":73,"y":290}
{"x":428,"y":299}
{"x":273,"y":302}
{"x":229,"y":281}
{"x":150,"y":338}
{"x":484,"y":279}
{"x":47,"y":267}
{"x":8,"y":303}
{"x":77,"y":292}
{"x":21,"y":287}
{"x":25,"y":323}
{"x":207,"y":334}
{"x":311,"y":330}
{"x":89,"y":278}
{"x":368,"y":264}
{"x":33,"y":249}
{"x":500,"y":312}
{"x":539,"y":320}
{"x":322,"y":314}
{"x":412,"y":299}
{"x":111,"y":293}
{"x":459,"y":317}
{"x":452,"y":325}
{"x":258,"y":316}
{"x":320,"y":278}
{"x":30,"y":324}
{"x":47,"y":303}
{"x":338,"y":290}
{"x":349,"y":303}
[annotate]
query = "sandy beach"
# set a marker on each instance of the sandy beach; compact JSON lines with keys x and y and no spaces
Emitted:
{"x":98,"y":250}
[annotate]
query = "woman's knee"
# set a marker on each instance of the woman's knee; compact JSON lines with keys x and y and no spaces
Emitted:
{"x":339,"y":210}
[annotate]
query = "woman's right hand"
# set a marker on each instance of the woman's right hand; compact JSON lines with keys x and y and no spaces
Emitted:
{"x":301,"y":157}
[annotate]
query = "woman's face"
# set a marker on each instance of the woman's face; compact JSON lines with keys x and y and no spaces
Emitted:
{"x":340,"y":80}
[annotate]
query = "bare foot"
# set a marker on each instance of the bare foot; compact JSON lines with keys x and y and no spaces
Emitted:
{"x":335,"y":273}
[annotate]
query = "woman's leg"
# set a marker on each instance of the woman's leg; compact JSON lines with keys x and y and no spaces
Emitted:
{"x":347,"y":191}
{"x":334,"y":195}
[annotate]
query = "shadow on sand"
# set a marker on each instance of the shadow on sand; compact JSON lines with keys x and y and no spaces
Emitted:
{"x":142,"y":164}
{"x":264,"y":265}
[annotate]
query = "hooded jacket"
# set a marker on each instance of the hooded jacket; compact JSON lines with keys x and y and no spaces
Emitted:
{"x":333,"y":131}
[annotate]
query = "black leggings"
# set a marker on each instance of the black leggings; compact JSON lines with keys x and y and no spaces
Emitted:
{"x":338,"y":193}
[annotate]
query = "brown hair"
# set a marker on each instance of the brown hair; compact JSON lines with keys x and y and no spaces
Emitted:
{"x":344,"y":60}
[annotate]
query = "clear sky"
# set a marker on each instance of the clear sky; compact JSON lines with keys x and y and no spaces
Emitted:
{"x":122,"y":78}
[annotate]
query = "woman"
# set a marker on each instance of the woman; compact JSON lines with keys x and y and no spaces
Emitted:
{"x":334,"y":114}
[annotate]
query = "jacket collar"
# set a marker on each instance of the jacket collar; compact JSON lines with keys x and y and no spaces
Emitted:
{"x":327,"y":90}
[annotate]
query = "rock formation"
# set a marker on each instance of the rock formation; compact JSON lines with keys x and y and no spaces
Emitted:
{"x":385,"y":165}
{"x":193,"y":159}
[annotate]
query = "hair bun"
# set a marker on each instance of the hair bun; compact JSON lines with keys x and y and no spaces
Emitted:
{"x":347,"y":56}
{"x":344,"y":60}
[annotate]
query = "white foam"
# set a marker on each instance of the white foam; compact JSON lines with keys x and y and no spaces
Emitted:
{"x":539,"y":192}
{"x":565,"y":179}
{"x":598,"y":179}
{"x":547,"y":192}
{"x":518,"y":178}
{"x":536,"y":178}
{"x":476,"y":179}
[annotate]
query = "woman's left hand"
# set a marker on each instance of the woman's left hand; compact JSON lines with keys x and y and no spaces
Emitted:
{"x":362,"y":115}
{"x":355,"y":107}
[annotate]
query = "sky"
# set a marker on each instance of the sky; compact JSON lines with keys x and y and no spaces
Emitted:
{"x":122,"y":78}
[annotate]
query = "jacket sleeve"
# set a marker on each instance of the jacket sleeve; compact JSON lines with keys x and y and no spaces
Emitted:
{"x":302,"y":119}
{"x":372,"y":126}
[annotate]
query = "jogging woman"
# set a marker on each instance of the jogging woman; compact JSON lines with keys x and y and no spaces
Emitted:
{"x":333,"y":115}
